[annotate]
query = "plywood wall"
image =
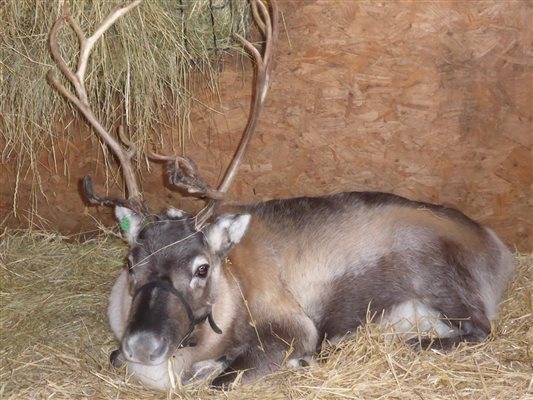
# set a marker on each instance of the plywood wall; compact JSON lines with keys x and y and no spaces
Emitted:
{"x":430,"y":100}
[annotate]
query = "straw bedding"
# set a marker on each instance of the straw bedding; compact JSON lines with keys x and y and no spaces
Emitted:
{"x":55,"y":341}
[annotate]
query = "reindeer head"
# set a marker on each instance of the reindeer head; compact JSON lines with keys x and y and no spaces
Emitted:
{"x":173,"y":271}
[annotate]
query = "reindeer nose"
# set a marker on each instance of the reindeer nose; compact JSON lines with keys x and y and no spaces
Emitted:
{"x":145,"y":348}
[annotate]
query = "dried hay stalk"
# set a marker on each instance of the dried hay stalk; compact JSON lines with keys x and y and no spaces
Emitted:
{"x":55,"y":340}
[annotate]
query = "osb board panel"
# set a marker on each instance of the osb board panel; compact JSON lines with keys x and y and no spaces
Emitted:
{"x":430,"y":100}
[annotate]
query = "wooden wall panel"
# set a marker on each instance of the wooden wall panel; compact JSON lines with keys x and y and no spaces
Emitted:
{"x":430,"y":100}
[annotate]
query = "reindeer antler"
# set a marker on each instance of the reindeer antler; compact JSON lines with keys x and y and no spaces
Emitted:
{"x":268,"y":25}
{"x":182,"y":171}
{"x":79,"y":98}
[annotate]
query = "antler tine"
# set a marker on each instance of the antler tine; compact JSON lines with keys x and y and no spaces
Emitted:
{"x":132,"y":149}
{"x":269,"y":27}
{"x":183,"y":173}
{"x":257,"y":19}
{"x":138,"y":206}
{"x":79,"y":97}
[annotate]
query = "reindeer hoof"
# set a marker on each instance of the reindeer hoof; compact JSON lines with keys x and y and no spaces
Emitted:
{"x":303,"y":363}
{"x":116,"y":359}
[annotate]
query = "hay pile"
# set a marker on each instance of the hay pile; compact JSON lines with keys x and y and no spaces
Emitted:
{"x":55,"y":341}
{"x":143,"y":73}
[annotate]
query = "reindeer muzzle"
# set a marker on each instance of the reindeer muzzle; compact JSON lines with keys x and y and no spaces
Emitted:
{"x":193,"y":321}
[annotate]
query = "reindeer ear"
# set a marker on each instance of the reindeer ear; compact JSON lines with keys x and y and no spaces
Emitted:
{"x":130,"y":223}
{"x":226,"y":231}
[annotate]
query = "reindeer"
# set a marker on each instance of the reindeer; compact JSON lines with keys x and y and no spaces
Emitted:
{"x":245,"y":290}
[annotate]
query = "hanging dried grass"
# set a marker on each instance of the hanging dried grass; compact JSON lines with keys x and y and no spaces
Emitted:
{"x":55,"y":340}
{"x":143,"y":73}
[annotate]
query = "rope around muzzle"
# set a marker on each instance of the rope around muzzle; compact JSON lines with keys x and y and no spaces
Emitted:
{"x":162,"y":284}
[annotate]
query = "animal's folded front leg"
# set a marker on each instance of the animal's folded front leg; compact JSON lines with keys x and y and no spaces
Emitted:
{"x":204,"y":371}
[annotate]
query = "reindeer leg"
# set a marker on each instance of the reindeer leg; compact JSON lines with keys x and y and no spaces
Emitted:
{"x":287,"y":342}
{"x":205,"y":370}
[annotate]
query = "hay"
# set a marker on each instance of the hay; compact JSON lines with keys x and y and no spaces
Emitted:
{"x":55,"y":340}
{"x":143,"y":73}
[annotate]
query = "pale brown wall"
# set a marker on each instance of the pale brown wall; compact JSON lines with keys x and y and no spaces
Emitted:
{"x":431,"y":100}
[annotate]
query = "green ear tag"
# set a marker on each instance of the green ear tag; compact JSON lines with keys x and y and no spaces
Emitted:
{"x":125,"y":224}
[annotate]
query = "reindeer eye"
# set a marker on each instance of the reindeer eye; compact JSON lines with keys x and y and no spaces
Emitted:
{"x":201,"y":271}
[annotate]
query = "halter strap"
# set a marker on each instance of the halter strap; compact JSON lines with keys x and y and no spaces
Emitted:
{"x":165,"y":285}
